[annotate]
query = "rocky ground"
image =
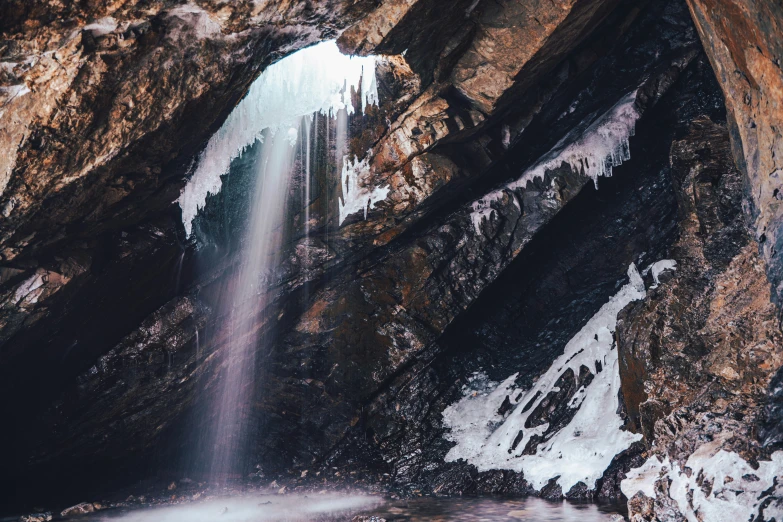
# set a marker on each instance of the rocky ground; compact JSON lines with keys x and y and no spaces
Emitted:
{"x":109,"y":331}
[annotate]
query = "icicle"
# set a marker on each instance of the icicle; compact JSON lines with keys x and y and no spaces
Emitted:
{"x":356,"y":196}
{"x":315,"y":79}
{"x":605,"y":144}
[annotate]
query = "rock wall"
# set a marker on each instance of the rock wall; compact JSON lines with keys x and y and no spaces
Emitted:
{"x":698,"y":355}
{"x":467,"y":266}
{"x":745,"y":46}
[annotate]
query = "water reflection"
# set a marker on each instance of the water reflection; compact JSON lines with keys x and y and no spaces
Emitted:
{"x":491,"y":509}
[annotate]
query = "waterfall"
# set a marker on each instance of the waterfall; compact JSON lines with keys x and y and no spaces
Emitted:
{"x":259,"y":258}
{"x":315,"y":79}
{"x":280,"y":113}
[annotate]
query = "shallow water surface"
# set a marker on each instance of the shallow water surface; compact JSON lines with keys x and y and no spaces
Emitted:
{"x":325,"y":508}
{"x":255,"y":508}
{"x":492,"y":509}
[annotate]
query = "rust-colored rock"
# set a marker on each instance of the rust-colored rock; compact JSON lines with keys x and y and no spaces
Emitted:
{"x":744,"y":40}
{"x":698,"y":354}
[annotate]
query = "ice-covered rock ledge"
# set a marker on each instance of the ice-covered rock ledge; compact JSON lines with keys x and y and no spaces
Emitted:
{"x":603,"y":145}
{"x":714,"y":485}
{"x":571,"y":437}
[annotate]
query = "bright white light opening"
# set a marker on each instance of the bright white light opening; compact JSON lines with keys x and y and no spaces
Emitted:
{"x":315,"y":79}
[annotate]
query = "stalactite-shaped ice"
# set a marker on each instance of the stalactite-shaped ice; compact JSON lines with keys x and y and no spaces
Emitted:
{"x":358,"y":197}
{"x":581,"y":450}
{"x":315,"y":79}
{"x":603,"y":145}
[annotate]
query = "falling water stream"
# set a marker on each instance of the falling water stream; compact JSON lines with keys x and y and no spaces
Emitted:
{"x":279,"y":111}
{"x":260,"y":256}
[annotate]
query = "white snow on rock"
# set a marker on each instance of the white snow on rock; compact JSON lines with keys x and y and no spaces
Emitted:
{"x":315,"y":79}
{"x":189,"y":21}
{"x":644,"y":478}
{"x":14,"y":91}
{"x":30,"y":290}
{"x":583,"y":449}
{"x":358,"y":194}
{"x":658,"y":268}
{"x":715,"y":485}
{"x":603,"y":145}
{"x":101,"y":27}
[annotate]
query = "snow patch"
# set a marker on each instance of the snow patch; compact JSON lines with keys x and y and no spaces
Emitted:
{"x":357,"y":196}
{"x":101,"y":27}
{"x":658,"y":268}
{"x":583,"y":449}
{"x":192,"y":22}
{"x":715,"y":485}
{"x":603,"y":145}
{"x":644,"y":478}
{"x":315,"y":79}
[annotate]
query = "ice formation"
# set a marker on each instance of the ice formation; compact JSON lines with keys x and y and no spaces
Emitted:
{"x":603,"y":145}
{"x":315,"y":79}
{"x":658,"y":268}
{"x":580,"y":451}
{"x":719,"y":486}
{"x":225,"y":441}
{"x":356,"y":196}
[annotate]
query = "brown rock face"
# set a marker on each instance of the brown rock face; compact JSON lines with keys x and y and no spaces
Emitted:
{"x":517,"y":41}
{"x":697,"y":356}
{"x":744,"y":40}
{"x":101,"y":105}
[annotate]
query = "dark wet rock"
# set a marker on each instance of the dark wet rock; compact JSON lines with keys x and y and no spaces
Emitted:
{"x":771,"y":426}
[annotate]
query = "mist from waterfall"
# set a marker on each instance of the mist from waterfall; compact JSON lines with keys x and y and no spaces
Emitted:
{"x":278,"y":120}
